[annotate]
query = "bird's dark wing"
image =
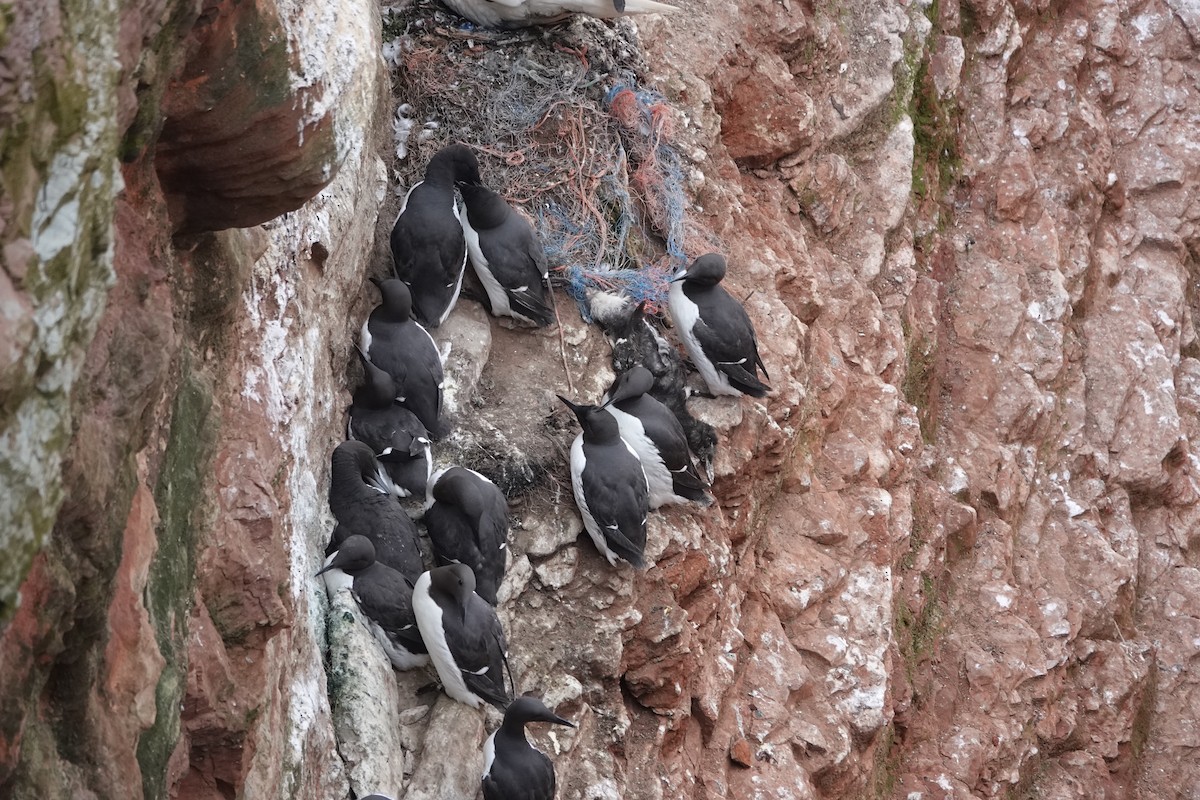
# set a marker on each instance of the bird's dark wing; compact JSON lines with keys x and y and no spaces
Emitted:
{"x":385,"y":597}
{"x":428,"y":250}
{"x":394,"y":427}
{"x":382,"y":519}
{"x":618,"y":498}
{"x":519,"y":267}
{"x":727,"y":336}
{"x":455,"y":540}
{"x":478,"y":651}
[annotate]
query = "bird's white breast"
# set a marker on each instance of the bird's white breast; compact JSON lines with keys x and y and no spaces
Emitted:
{"x":589,"y":522}
{"x":495,"y":292}
{"x":429,"y":621}
{"x":686,"y":314}
{"x":489,"y":754}
{"x":658,"y":477}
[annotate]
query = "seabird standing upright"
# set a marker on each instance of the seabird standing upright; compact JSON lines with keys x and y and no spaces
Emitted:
{"x":513,"y":769}
{"x":401,"y":347}
{"x":716,"y":329}
{"x":609,"y":485}
{"x":464,"y":636}
{"x":522,"y":13}
{"x":362,"y":501}
{"x":656,"y":436}
{"x":385,"y":598}
{"x":506,"y":255}
{"x":428,"y":248}
{"x":398,"y":438}
{"x":467,"y":519}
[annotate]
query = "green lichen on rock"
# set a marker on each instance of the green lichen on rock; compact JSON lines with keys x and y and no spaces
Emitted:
{"x":58,"y":178}
{"x":179,"y":492}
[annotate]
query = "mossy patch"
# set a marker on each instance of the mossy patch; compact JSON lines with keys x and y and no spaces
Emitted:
{"x":918,"y":626}
{"x":1143,"y":718}
{"x":179,"y":491}
{"x":886,"y":765}
{"x":918,"y":385}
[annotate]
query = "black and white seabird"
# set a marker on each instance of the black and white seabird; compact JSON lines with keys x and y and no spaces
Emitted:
{"x":513,"y":769}
{"x":385,"y":598}
{"x":398,"y":438}
{"x":467,"y":519}
{"x":363,"y":502}
{"x":506,"y":255}
{"x":522,"y":13}
{"x":428,"y":248}
{"x":610,"y":486}
{"x":716,"y":330}
{"x":656,"y":436}
{"x":636,"y":341}
{"x":401,"y":347}
{"x":464,"y":636}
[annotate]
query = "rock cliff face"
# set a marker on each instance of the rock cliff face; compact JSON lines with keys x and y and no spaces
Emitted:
{"x":950,"y":556}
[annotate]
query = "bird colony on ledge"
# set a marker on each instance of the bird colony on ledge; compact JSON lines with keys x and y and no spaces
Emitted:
{"x":631,"y":457}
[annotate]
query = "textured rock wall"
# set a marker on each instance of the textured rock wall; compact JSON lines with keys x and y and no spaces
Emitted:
{"x":951,"y":552}
{"x":1063,"y":346}
{"x":164,"y":642}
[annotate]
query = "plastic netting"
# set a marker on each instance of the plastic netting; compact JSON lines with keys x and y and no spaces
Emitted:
{"x":594,"y":168}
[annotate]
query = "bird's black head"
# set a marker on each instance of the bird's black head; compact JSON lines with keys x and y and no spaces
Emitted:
{"x":485,"y":208}
{"x":397,"y":299}
{"x":458,"y":487}
{"x":378,"y":390}
{"x":531,"y":709}
{"x":707,"y":270}
{"x":596,"y":422}
{"x":355,"y":458}
{"x":633,"y":382}
{"x":453,"y":164}
{"x":453,"y":580}
{"x":355,"y":554}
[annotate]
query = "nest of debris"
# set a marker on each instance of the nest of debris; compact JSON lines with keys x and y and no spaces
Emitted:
{"x":563,"y":129}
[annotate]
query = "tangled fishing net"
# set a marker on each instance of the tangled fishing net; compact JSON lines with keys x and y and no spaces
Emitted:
{"x":563,"y":130}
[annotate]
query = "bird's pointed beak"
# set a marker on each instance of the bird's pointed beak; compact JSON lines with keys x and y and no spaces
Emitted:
{"x":579,"y":410}
{"x":378,"y":283}
{"x":324,"y":569}
{"x":557,"y":720}
{"x":679,"y":276}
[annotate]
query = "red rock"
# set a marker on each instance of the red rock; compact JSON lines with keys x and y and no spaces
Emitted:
{"x":739,"y":753}
{"x":124,"y":706}
{"x":764,"y":114}
{"x":240,"y":145}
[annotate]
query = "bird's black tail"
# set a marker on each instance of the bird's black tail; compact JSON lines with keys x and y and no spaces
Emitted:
{"x":743,"y":380}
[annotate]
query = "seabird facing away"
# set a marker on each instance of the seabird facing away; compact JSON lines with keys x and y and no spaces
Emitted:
{"x":464,"y":636}
{"x":396,"y":343}
{"x":400,"y":441}
{"x":716,"y":330}
{"x":428,"y":248}
{"x":609,"y":485}
{"x":467,"y":519}
{"x":512,"y":768}
{"x":363,"y":502}
{"x":522,"y":13}
{"x":657,"y":437}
